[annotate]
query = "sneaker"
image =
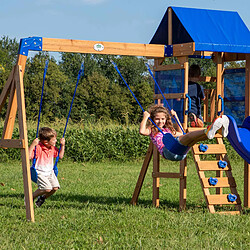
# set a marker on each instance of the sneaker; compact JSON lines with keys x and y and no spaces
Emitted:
{"x":215,"y":126}
{"x":225,"y":125}
{"x":193,"y":120}
{"x":40,"y":201}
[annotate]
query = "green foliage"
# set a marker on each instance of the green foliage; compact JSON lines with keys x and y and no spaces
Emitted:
{"x":96,"y":142}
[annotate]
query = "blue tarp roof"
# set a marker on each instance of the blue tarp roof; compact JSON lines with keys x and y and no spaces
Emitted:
{"x":211,"y":30}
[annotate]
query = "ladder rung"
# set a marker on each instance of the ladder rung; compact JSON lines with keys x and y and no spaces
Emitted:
{"x":198,"y":129}
{"x":229,"y":212}
{"x":212,"y":149}
{"x":223,"y":182}
{"x":220,"y":199}
{"x":166,"y":175}
{"x":211,"y":165}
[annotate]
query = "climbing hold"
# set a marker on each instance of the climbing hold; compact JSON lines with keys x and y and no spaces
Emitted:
{"x":231,"y":197}
{"x":212,"y":181}
{"x":203,"y":148}
{"x":222,"y":164}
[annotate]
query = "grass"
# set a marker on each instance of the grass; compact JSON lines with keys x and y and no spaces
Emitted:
{"x":92,"y":211}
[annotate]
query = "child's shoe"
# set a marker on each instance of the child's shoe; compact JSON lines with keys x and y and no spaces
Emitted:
{"x":40,"y":201}
{"x":225,"y":126}
{"x":214,"y":127}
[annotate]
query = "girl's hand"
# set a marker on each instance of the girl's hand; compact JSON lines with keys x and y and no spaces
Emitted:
{"x":173,"y":113}
{"x":146,"y":115}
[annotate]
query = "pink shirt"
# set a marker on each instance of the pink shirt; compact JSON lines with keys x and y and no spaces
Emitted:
{"x":156,"y":138}
{"x":45,"y":158}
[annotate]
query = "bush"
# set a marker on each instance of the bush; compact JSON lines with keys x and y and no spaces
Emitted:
{"x":83,"y":145}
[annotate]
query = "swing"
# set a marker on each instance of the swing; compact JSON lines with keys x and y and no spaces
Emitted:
{"x":170,"y":142}
{"x":33,"y":169}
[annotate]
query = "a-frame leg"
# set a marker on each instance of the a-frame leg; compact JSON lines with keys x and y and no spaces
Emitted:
{"x":142,"y":174}
{"x":24,"y":137}
{"x":183,"y":184}
{"x":156,"y":179}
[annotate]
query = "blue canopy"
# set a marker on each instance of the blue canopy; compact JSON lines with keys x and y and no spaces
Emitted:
{"x":211,"y":30}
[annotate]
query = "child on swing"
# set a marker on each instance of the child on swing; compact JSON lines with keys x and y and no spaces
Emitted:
{"x":45,"y":153}
{"x":161,"y":117}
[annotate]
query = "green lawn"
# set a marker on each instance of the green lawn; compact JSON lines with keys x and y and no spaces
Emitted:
{"x":92,"y":211}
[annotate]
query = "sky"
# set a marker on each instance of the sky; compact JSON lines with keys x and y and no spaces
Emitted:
{"x":132,"y":21}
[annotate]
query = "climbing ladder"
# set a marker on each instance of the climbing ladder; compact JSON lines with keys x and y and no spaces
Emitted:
{"x":224,"y":178}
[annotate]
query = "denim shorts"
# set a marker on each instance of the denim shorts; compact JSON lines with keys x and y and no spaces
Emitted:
{"x":171,"y":156}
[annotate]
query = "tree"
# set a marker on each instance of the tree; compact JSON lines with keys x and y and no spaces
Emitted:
{"x":56,"y":85}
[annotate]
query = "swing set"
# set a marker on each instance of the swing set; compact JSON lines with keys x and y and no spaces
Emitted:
{"x":178,"y":36}
{"x":55,"y":168}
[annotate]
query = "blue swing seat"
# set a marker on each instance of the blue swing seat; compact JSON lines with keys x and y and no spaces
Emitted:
{"x":239,"y":137}
{"x":173,"y":145}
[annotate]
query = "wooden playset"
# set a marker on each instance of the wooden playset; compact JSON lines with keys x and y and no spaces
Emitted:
{"x":178,"y":36}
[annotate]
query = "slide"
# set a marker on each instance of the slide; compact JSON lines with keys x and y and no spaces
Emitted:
{"x":239,"y":137}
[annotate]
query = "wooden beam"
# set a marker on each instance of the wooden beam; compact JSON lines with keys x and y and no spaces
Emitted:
{"x":12,"y":143}
{"x":166,"y":175}
{"x":142,"y":174}
{"x":185,"y":49}
{"x":247,"y":113}
{"x":111,"y":48}
{"x":25,"y":150}
{"x":228,"y":57}
{"x":6,"y":90}
{"x":219,"y":76}
{"x":168,"y":67}
{"x":169,"y":96}
{"x":21,"y":60}
{"x":156,"y":180}
{"x":184,"y":60}
{"x":10,"y":114}
{"x":170,"y":26}
{"x":183,"y":185}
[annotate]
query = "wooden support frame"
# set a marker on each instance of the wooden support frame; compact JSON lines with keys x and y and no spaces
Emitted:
{"x":247,"y":113}
{"x":14,"y":88}
{"x":156,"y":174}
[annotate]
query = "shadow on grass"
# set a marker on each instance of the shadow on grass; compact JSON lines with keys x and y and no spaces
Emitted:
{"x":60,"y":201}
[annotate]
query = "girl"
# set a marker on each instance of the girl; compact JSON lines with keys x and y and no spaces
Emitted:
{"x":162,"y":119}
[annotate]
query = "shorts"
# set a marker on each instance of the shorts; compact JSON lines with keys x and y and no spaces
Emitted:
{"x":171,"y":156}
{"x":47,"y":182}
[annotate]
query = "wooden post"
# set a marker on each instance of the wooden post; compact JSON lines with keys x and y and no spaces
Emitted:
{"x":247,"y":113}
{"x":219,"y":91}
{"x":142,"y":174}
{"x":184,"y":60}
{"x":170,"y":28}
{"x":156,"y":180}
{"x":18,"y":76}
{"x":183,"y":184}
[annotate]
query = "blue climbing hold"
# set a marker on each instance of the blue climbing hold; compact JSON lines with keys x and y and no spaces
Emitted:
{"x":222,"y":164}
{"x":232,"y":197}
{"x":212,"y":181}
{"x":203,"y":147}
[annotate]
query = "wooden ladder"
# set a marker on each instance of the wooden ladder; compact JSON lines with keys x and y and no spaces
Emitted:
{"x":223,"y":175}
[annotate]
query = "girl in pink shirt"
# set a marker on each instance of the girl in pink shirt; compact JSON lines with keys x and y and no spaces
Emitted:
{"x":161,"y":117}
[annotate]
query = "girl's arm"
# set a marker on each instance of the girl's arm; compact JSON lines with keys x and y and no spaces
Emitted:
{"x":178,"y":129}
{"x":144,"y":130}
{"x":32,"y":146}
{"x":62,"y":142}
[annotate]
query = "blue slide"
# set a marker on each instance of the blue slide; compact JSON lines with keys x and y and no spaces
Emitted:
{"x":239,"y":137}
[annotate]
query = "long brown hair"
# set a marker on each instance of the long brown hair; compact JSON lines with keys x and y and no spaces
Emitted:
{"x":161,"y":109}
